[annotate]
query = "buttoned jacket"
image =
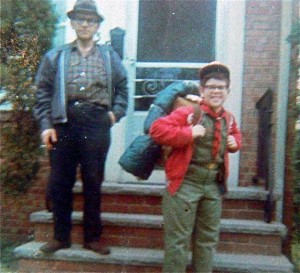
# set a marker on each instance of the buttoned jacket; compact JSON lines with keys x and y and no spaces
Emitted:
{"x":175,"y":131}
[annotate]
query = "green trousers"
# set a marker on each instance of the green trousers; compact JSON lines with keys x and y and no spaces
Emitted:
{"x":193,"y":212}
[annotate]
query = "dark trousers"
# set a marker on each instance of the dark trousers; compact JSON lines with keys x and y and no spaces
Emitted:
{"x":82,"y":142}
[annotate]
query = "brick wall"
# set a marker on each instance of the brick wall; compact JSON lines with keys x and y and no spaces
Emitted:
{"x":261,"y":61}
{"x":15,"y":210}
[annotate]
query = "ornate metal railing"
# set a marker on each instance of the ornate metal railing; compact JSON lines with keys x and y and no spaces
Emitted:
{"x":264,"y":151}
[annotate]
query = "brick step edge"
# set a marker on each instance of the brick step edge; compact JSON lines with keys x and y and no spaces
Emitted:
{"x":147,"y":189}
{"x":152,"y":257}
{"x":156,"y":221}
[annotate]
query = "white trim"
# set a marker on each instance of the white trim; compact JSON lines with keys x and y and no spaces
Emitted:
{"x":166,"y":65}
{"x":282,"y":105}
{"x":130,"y":49}
{"x":221,"y":28}
{"x":230,"y":50}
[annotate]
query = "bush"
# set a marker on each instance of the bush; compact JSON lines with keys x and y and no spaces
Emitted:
{"x":296,"y":227}
{"x":8,"y":261}
{"x":27,"y":28}
{"x":294,"y":39}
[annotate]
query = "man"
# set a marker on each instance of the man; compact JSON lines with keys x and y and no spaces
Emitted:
{"x":196,"y":172}
{"x":81,"y":93}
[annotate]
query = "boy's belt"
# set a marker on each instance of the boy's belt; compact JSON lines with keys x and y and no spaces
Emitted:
{"x":210,"y":166}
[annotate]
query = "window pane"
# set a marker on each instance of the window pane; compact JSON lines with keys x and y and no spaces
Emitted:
{"x":176,"y":30}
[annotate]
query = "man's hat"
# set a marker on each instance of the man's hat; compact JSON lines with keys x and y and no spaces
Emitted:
{"x":85,"y":7}
{"x":214,"y":67}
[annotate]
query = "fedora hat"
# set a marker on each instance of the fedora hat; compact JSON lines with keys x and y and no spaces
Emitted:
{"x":85,"y":7}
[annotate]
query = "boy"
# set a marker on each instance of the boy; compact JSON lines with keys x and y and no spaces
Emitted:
{"x":196,"y":172}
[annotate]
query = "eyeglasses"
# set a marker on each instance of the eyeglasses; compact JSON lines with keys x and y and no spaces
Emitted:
{"x":214,"y":87}
{"x":90,"y":22}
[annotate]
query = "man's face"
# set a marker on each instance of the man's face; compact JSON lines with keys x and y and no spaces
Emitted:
{"x":85,"y":26}
{"x":214,"y":92}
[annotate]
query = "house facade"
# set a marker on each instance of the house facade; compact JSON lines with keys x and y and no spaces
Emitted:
{"x":166,"y":41}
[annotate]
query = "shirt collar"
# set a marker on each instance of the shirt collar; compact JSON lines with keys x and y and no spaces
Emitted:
{"x":74,"y":47}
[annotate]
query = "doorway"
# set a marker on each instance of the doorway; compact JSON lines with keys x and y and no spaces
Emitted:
{"x":167,"y":41}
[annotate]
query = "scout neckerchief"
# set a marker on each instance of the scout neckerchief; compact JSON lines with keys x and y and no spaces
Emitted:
{"x":217,"y":117}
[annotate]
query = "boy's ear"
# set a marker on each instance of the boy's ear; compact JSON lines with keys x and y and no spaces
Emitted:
{"x":201,"y":90}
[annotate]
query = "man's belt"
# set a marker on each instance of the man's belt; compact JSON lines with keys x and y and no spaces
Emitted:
{"x":80,"y":103}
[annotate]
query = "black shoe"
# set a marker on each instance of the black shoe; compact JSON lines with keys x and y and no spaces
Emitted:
{"x":54,"y":246}
{"x":97,"y":247}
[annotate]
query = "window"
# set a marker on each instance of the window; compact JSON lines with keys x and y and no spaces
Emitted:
{"x":182,"y":31}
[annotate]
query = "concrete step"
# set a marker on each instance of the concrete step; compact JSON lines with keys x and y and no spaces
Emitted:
{"x":237,"y":236}
{"x":143,"y":198}
{"x":135,"y":260}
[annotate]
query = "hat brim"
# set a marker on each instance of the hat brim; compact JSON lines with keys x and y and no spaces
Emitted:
{"x":71,"y":14}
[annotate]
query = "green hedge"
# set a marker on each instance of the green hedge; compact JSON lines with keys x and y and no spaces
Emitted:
{"x":27,"y":28}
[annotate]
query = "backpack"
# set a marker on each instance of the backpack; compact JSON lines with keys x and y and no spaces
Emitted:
{"x":144,"y":154}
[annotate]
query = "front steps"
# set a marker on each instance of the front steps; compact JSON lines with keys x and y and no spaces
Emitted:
{"x":135,"y":260}
{"x":133,"y":228}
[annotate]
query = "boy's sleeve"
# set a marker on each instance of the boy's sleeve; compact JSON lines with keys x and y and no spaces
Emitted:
{"x":236,"y":133}
{"x":173,"y":129}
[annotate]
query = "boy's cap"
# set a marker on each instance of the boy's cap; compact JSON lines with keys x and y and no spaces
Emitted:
{"x":85,"y":7}
{"x":214,"y":67}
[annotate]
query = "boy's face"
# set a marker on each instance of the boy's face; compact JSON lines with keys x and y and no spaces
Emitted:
{"x":214,"y":92}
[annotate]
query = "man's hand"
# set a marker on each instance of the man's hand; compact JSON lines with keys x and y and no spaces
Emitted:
{"x":49,"y":137}
{"x":231,"y":142}
{"x":198,"y":131}
{"x":112,"y":117}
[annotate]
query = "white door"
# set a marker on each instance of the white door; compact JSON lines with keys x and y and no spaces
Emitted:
{"x":165,"y":41}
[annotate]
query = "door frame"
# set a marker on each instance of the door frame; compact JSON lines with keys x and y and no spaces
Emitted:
{"x":229,"y":50}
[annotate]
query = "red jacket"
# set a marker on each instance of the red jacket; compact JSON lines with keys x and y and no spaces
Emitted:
{"x":175,"y":131}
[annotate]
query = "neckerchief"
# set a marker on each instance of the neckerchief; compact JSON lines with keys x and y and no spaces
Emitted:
{"x":217,"y":117}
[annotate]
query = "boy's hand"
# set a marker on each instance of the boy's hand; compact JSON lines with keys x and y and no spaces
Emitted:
{"x":193,"y":98}
{"x":231,"y":142}
{"x":198,"y":131}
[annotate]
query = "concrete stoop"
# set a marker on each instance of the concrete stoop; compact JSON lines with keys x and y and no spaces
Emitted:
{"x":135,"y":260}
{"x":156,"y":221}
{"x":132,"y":230}
{"x":247,"y":244}
{"x":147,"y":189}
